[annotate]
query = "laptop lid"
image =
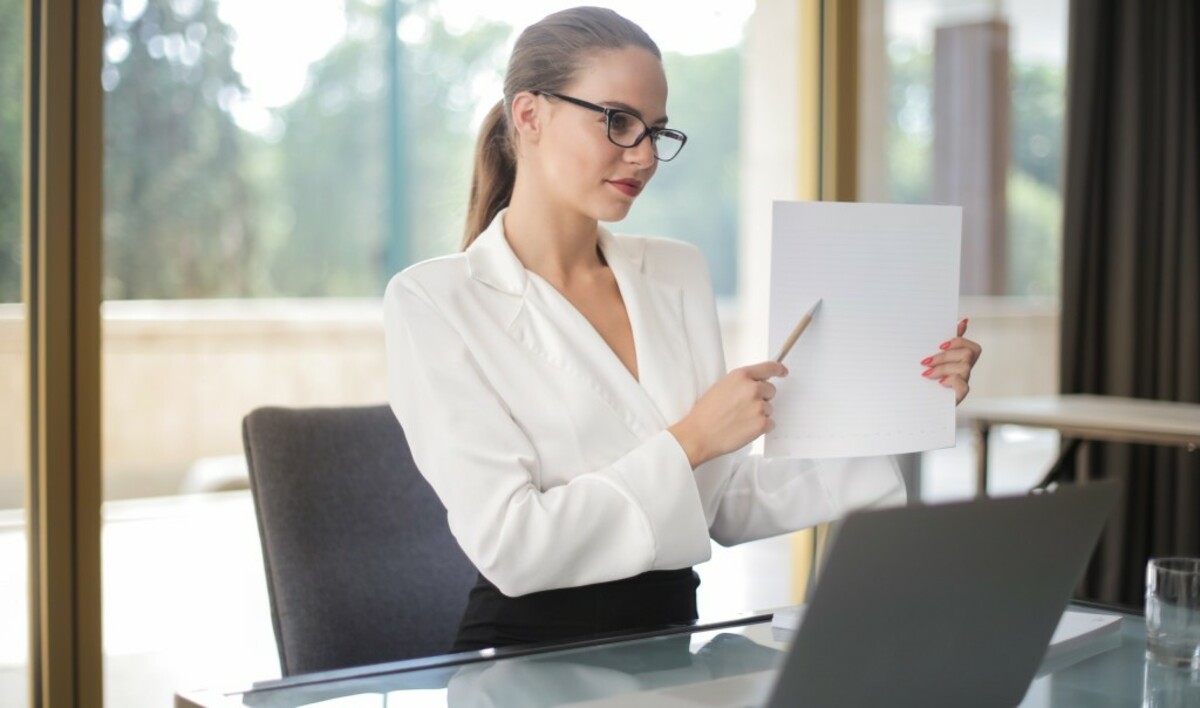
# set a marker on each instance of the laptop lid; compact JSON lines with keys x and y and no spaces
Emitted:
{"x":943,"y":605}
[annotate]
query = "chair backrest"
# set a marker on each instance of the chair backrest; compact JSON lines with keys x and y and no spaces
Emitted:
{"x":361,"y":566}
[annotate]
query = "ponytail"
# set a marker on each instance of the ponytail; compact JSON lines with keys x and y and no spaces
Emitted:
{"x":494,"y":176}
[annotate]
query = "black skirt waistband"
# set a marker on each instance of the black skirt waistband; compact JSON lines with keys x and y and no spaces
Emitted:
{"x":652,"y":599}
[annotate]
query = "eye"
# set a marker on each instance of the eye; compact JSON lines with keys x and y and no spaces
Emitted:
{"x":619,"y":122}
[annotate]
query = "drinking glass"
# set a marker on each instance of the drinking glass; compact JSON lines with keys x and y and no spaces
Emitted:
{"x":1173,"y":611}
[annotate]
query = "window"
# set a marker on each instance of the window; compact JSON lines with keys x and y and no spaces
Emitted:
{"x":963,"y":103}
{"x":971,"y":103}
{"x":14,"y":391}
{"x":261,"y":186}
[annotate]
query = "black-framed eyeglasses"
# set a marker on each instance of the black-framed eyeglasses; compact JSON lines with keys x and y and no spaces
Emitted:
{"x":623,"y":128}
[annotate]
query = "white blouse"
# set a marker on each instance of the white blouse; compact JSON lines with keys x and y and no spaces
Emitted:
{"x":554,"y":463}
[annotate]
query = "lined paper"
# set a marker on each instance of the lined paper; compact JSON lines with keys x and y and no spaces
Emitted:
{"x":888,"y":277}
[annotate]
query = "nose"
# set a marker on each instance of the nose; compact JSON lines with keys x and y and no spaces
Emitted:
{"x":641,"y":154}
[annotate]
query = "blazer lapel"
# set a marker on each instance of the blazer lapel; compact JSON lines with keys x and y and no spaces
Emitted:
{"x":546,"y":324}
{"x":655,"y":310}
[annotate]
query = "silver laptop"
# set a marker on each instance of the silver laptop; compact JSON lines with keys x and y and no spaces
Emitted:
{"x":946,"y":605}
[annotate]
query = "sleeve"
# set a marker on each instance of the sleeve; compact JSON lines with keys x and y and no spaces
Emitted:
{"x":746,"y":496}
{"x":641,"y":512}
{"x":749,"y":497}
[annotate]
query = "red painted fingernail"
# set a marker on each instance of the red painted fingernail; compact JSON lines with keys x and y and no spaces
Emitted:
{"x":927,"y":361}
{"x":943,"y":379}
{"x":927,"y":372}
{"x":944,"y":345}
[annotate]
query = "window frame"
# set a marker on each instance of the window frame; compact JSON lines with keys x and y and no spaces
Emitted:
{"x":61,"y":286}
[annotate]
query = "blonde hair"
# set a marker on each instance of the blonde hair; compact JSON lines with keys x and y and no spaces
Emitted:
{"x":546,"y":58}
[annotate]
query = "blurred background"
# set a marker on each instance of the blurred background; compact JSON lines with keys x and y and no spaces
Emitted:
{"x":268,"y":165}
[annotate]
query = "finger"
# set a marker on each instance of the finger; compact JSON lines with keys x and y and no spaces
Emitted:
{"x":765,"y":370}
{"x":954,"y":368}
{"x":976,"y":350}
{"x":961,"y":387}
{"x":961,"y":343}
{"x":962,"y":326}
{"x":954,"y":354}
{"x":767,"y":409}
{"x":766,"y":391}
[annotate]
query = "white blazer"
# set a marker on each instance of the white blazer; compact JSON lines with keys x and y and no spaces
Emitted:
{"x":554,"y":463}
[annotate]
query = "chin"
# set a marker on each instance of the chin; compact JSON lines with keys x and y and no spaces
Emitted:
{"x":611,"y":212}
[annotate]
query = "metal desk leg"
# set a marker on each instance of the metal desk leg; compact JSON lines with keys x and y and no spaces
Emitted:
{"x":910,"y":472}
{"x":1068,"y":456}
{"x":1083,"y":461}
{"x":981,"y":431}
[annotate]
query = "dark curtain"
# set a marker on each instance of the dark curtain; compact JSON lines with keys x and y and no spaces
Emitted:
{"x":1131,"y":260}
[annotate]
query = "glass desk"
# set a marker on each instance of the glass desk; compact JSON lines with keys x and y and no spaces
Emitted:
{"x":727,"y":663}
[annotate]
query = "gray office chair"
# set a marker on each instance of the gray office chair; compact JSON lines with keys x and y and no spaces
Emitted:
{"x":361,"y":567}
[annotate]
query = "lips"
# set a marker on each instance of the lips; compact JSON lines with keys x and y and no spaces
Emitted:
{"x":628,"y":187}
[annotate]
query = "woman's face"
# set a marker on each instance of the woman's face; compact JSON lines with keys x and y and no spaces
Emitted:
{"x":583,"y":170}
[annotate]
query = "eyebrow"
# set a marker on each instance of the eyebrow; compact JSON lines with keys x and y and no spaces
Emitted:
{"x":636,"y":112}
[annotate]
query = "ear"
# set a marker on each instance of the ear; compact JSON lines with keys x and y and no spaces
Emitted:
{"x":527,"y":117}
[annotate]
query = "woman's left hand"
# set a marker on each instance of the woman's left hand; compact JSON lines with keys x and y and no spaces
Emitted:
{"x":951,"y":367}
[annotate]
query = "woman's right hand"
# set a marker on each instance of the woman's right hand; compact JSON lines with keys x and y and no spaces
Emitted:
{"x":734,"y":412}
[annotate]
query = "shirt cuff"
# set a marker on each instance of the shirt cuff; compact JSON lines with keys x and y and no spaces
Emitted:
{"x":665,"y":487}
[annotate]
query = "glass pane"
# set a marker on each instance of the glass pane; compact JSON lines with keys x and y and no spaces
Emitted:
{"x":963,"y":103}
{"x":14,"y":421}
{"x":261,"y":187}
{"x":971,"y":98}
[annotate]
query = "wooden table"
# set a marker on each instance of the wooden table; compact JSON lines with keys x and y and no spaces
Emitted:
{"x":1082,"y":419}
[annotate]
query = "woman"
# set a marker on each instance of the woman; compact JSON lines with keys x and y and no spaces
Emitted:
{"x":563,"y":389}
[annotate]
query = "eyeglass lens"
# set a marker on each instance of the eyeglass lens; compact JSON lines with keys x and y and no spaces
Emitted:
{"x":625,"y":130}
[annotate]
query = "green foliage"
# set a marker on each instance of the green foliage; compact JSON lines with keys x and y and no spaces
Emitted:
{"x":327,"y":189}
{"x":695,"y":197}
{"x":909,"y":166}
{"x":179,"y":217}
{"x":1038,"y":111}
{"x":197,"y":207}
{"x":910,"y":124}
{"x":1034,"y":236}
{"x":12,"y":107}
{"x":440,"y":130}
{"x":1034,"y":200}
{"x":333,"y":187}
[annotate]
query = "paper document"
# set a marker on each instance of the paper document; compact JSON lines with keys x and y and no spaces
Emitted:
{"x":788,"y":618}
{"x":887,"y":275}
{"x":1078,"y":628}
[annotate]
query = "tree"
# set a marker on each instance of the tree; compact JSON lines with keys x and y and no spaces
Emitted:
{"x":179,"y":217}
{"x":1038,"y":108}
{"x":197,"y":207}
{"x":1035,"y":236}
{"x":332,"y":174}
{"x":910,"y":124}
{"x":695,"y":197}
{"x":324,"y":211}
{"x":1034,"y":197}
{"x":12,"y":107}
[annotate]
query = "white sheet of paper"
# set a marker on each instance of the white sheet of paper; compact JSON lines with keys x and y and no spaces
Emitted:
{"x":887,"y":275}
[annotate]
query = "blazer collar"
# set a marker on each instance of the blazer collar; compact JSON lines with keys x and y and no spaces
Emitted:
{"x":493,"y":262}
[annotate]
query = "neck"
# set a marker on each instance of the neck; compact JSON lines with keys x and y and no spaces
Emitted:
{"x":557,"y":244}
